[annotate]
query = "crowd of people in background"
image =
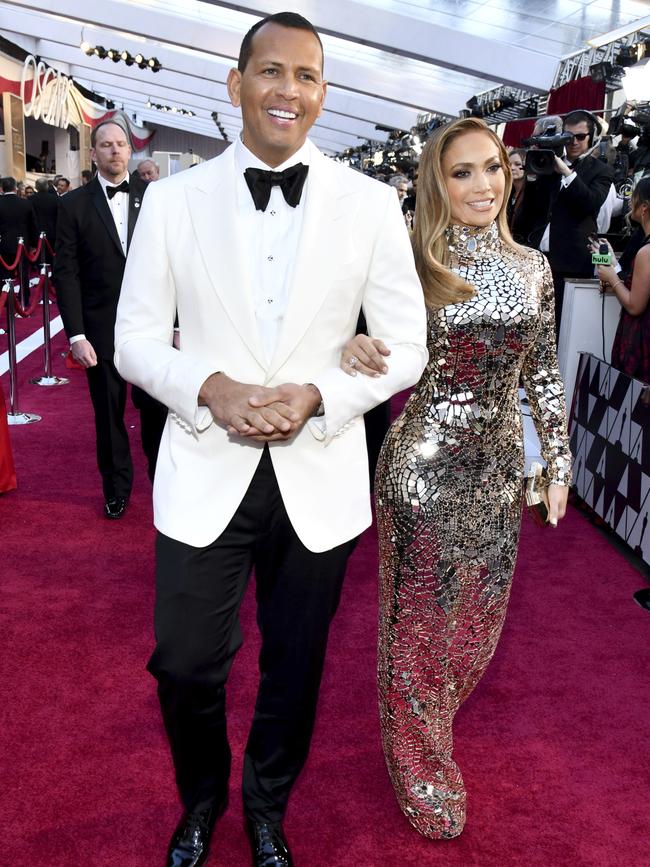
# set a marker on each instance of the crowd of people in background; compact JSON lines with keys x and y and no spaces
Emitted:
{"x":27,"y":211}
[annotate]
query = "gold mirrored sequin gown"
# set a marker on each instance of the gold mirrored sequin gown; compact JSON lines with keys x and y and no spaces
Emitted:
{"x":448,"y":489}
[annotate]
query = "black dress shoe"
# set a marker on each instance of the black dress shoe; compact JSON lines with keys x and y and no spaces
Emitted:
{"x":268,"y":843}
{"x":115,"y":507}
{"x":190,"y":841}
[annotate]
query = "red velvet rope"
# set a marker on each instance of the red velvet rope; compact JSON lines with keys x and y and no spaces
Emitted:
{"x":31,"y":256}
{"x":37,"y":252}
{"x":13,"y":267}
{"x":37,"y":296}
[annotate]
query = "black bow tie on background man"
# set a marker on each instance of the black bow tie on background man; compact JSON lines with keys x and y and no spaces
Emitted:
{"x":120,"y":188}
{"x":291,"y":181}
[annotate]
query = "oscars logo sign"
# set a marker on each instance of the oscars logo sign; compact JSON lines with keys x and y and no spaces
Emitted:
{"x":50,"y":89}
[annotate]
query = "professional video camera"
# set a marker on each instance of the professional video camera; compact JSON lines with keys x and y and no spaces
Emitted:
{"x":540,"y":159}
{"x":633,"y":123}
{"x":637,"y":123}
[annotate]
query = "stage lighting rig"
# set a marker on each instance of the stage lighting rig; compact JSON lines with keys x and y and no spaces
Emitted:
{"x":172,"y":109}
{"x":125,"y":56}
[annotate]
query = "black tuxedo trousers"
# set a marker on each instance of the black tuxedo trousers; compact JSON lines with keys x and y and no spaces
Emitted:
{"x":108,"y":395}
{"x":199,"y":592}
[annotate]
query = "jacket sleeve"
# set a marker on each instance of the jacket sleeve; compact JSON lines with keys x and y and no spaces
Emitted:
{"x":393,"y":304}
{"x":585,"y":198}
{"x":66,"y":273}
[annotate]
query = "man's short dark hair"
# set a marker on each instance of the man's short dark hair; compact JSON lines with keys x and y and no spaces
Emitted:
{"x":284,"y":19}
{"x":66,"y":181}
{"x":8,"y":185}
{"x":581,"y":116}
{"x":86,"y":173}
{"x":42,"y":185}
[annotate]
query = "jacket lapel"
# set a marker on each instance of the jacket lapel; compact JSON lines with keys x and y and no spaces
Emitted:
{"x":317,"y":255}
{"x":212,"y":206}
{"x":99,"y":201}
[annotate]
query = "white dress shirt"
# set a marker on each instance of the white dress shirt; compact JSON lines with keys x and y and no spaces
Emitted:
{"x":119,"y":208}
{"x":272,"y":237}
{"x":118,"y":205}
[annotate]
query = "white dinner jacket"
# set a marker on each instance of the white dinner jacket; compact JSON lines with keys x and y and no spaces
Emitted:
{"x":187,"y":255}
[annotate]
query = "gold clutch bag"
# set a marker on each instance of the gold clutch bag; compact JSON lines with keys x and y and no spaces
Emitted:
{"x":536,"y":494}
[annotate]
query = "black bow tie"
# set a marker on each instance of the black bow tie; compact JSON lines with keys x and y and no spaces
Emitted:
{"x":291,"y":181}
{"x":120,"y":188}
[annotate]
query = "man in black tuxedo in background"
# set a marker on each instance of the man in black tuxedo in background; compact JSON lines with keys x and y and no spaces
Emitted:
{"x":94,"y":229}
{"x":16,"y":221}
{"x":578,"y":191}
{"x":46,"y":208}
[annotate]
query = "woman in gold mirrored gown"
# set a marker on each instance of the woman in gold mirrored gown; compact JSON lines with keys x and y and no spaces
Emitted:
{"x":449,"y":480}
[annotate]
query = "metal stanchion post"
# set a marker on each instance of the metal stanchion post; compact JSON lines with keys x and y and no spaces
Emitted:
{"x":20,"y":272}
{"x":13,"y":416}
{"x":47,"y":379}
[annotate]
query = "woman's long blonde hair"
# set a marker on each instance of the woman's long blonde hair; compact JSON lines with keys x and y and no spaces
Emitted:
{"x":433,"y":214}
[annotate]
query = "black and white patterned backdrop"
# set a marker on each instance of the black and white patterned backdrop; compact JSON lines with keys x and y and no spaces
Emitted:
{"x":610,"y":442}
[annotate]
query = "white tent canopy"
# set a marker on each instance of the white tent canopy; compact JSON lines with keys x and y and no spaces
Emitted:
{"x":386,"y":60}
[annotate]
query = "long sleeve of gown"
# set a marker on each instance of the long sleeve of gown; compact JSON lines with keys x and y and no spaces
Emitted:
{"x":545,"y":388}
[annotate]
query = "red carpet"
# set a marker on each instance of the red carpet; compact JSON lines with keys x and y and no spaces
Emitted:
{"x":553,"y":743}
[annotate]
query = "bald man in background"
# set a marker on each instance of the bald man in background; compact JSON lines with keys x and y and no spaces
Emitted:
{"x":148,"y":170}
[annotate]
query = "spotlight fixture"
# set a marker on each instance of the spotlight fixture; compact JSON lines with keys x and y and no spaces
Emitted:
{"x":125,"y":56}
{"x":628,"y":55}
{"x":174,"y":109}
{"x":608,"y":72}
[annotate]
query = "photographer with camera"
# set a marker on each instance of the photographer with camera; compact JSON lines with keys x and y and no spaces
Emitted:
{"x":579,"y":189}
{"x":565,"y":190}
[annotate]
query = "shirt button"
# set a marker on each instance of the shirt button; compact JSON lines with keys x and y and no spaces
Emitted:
{"x":270,"y":258}
{"x":272,"y":213}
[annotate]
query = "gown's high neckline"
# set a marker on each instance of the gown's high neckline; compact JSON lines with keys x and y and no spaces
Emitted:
{"x":467,"y":242}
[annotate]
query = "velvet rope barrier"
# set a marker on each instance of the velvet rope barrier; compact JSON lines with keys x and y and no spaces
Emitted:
{"x":24,"y":312}
{"x":47,"y":244}
{"x":23,"y":251}
{"x":19,"y":253}
{"x":14,"y":416}
{"x":37,"y":252}
{"x":46,"y":291}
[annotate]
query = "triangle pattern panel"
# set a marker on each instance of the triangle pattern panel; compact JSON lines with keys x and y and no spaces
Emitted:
{"x":610,"y":441}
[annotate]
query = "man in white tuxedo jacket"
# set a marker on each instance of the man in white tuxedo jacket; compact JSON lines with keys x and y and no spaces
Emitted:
{"x":263,"y":460}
